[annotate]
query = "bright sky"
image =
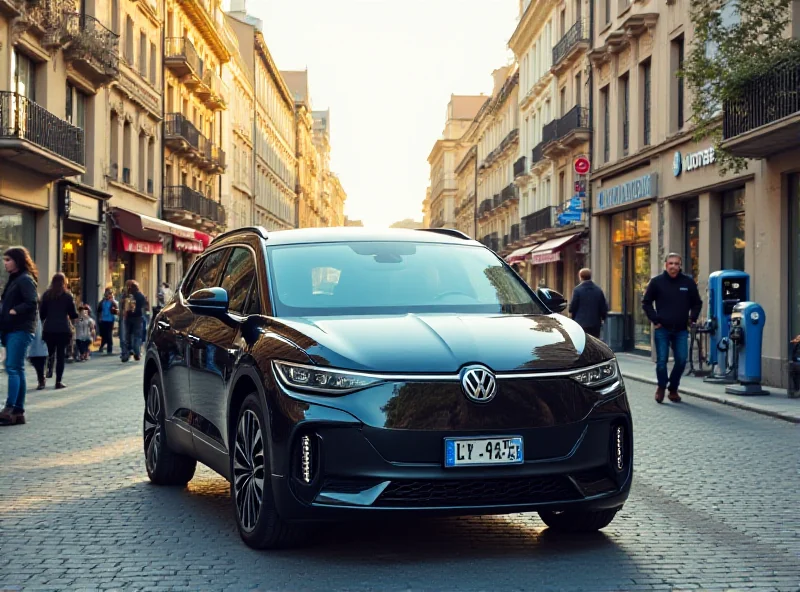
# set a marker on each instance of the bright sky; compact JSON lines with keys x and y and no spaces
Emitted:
{"x":386,"y":70}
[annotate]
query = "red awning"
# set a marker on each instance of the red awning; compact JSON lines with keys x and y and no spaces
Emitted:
{"x":190,"y":246}
{"x":550,"y":251}
{"x":203,"y":238}
{"x":134,"y":245}
{"x":519,"y":254}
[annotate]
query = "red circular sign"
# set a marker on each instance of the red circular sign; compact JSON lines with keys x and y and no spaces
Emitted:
{"x":582,"y":165}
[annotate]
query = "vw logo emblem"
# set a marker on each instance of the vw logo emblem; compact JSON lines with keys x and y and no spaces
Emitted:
{"x":478,"y":383}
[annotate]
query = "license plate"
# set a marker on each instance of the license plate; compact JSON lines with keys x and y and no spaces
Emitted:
{"x":483,"y":451}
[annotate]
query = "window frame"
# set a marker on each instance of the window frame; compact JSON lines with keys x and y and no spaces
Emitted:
{"x":198,"y":265}
{"x":254,"y":260}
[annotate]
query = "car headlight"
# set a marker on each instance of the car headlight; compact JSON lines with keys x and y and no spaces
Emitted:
{"x":321,"y":380}
{"x":597,"y":376}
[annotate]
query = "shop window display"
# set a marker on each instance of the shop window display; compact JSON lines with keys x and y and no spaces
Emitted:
{"x":17,"y":227}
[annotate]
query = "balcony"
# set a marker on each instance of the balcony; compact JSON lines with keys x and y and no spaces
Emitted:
{"x":32,"y":137}
{"x":541,"y":220}
{"x":575,"y":41}
{"x":212,"y":157}
{"x":92,"y":49}
{"x":497,"y":200}
{"x":181,"y":58}
{"x":184,"y":205}
{"x":180,"y":134}
{"x":765,"y":119}
{"x":509,"y":194}
{"x":514,"y":233}
{"x":506,"y":241}
{"x":213,"y":92}
{"x":519,"y":167}
{"x":45,"y":20}
{"x":537,"y":158}
{"x":572,"y":130}
{"x":486,"y":206}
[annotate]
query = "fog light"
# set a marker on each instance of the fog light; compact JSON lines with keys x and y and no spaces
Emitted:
{"x":305,"y":459}
{"x":619,"y":447}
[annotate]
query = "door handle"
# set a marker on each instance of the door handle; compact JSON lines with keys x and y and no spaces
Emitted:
{"x":193,"y":339}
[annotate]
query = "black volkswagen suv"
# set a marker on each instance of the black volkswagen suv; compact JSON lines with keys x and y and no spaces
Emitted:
{"x":339,"y":373}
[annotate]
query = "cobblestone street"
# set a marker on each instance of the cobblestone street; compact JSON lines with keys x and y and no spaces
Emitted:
{"x":714,"y":506}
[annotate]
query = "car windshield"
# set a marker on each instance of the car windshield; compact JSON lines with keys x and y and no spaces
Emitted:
{"x":368,"y":278}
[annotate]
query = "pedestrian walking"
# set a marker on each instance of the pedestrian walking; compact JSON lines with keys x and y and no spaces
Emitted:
{"x":107,"y":310}
{"x":37,"y":354}
{"x":85,"y":332}
{"x":677,"y":303}
{"x":57,"y":310}
{"x":134,"y":308}
{"x":17,"y":327}
{"x":588,"y":306}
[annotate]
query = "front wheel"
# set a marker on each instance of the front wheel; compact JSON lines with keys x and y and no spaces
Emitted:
{"x":164,"y":467}
{"x":260,"y":525}
{"x":578,"y":520}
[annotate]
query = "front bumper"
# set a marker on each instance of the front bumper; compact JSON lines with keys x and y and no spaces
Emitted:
{"x":357,"y":469}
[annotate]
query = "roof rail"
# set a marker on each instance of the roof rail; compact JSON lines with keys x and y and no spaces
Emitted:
{"x":448,"y":232}
{"x":259,"y":230}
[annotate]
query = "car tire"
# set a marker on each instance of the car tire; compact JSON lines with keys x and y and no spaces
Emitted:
{"x":578,"y":520}
{"x":164,"y":467}
{"x":260,"y":525}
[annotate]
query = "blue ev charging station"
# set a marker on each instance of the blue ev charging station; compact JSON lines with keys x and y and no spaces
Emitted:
{"x":726,"y":289}
{"x":746,"y":335}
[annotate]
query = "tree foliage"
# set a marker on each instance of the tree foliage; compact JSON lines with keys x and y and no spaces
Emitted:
{"x":734,"y":42}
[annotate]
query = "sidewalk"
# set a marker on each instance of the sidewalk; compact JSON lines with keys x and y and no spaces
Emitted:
{"x":777,"y":404}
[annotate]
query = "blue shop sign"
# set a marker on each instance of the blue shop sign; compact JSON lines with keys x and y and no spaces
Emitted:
{"x":645,"y":187}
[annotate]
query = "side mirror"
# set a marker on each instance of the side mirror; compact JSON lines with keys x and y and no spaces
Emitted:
{"x":554,"y":301}
{"x":209,"y":299}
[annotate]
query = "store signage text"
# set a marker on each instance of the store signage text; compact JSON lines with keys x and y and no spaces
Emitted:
{"x":645,"y":187}
{"x":693,"y":160}
{"x":84,"y":208}
{"x":131,"y":245}
{"x":545,"y":258}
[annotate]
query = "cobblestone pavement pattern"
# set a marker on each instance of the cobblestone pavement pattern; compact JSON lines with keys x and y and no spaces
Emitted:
{"x":714,"y":506}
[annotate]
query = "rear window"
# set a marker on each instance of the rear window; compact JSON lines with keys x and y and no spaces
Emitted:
{"x":366,"y":278}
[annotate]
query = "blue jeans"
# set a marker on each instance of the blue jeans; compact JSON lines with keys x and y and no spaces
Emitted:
{"x":679,"y":342}
{"x":133,"y":334}
{"x":17,"y":344}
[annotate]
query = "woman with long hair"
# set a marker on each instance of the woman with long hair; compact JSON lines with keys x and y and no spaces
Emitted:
{"x":58,"y":308}
{"x":134,"y":307}
{"x":17,"y":327}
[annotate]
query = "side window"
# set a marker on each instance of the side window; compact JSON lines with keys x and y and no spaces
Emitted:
{"x":254,"y":304}
{"x":209,"y":272}
{"x":238,"y":277}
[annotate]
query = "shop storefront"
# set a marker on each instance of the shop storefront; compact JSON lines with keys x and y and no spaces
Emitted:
{"x":82,"y":233}
{"x":17,"y":227}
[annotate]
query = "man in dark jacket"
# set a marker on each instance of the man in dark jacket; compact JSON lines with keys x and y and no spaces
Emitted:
{"x":677,"y":302}
{"x":588,"y":306}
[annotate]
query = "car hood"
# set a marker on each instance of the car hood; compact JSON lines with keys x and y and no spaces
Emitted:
{"x":443,"y":342}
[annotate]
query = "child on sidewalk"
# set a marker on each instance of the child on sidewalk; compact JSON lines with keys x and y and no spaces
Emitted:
{"x":37,"y":353}
{"x":85,"y":333}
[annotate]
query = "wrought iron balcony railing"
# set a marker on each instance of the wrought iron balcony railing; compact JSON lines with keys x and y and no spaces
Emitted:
{"x":540,"y":220}
{"x":514,"y":233}
{"x":509,"y":192}
{"x":549,"y":132}
{"x":178,"y":49}
{"x":575,"y":118}
{"x":519,"y":166}
{"x":768,"y":97}
{"x":177,"y":126}
{"x":486,"y":206}
{"x":22,"y":119}
{"x":181,"y":197}
{"x":92,"y":44}
{"x":577,"y":33}
{"x":537,"y":154}
{"x":497,"y":200}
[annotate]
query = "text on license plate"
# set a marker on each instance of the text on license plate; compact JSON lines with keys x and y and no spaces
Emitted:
{"x":483,"y":451}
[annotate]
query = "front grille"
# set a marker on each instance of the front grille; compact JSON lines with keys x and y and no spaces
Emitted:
{"x":467,"y":492}
{"x":595,"y":482}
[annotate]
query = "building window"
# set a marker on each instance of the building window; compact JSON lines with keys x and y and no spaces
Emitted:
{"x":691,"y":219}
{"x":24,"y":72}
{"x":624,"y":91}
{"x":115,"y":16}
{"x":646,"y":97}
{"x":733,"y":237}
{"x":17,"y":227}
{"x":606,"y":124}
{"x":153,"y":63}
{"x":114,"y":133}
{"x":129,"y":40}
{"x":607,"y":11}
{"x":676,"y":86}
{"x":578,"y":89}
{"x":127,"y":139}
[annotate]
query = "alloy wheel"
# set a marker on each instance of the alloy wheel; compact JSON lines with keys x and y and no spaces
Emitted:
{"x":248,"y":470}
{"x":152,"y":428}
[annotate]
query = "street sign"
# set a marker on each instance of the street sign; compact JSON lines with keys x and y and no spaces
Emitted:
{"x":582,"y":165}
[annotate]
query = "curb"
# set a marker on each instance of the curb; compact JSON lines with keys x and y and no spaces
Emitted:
{"x":700,"y":395}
